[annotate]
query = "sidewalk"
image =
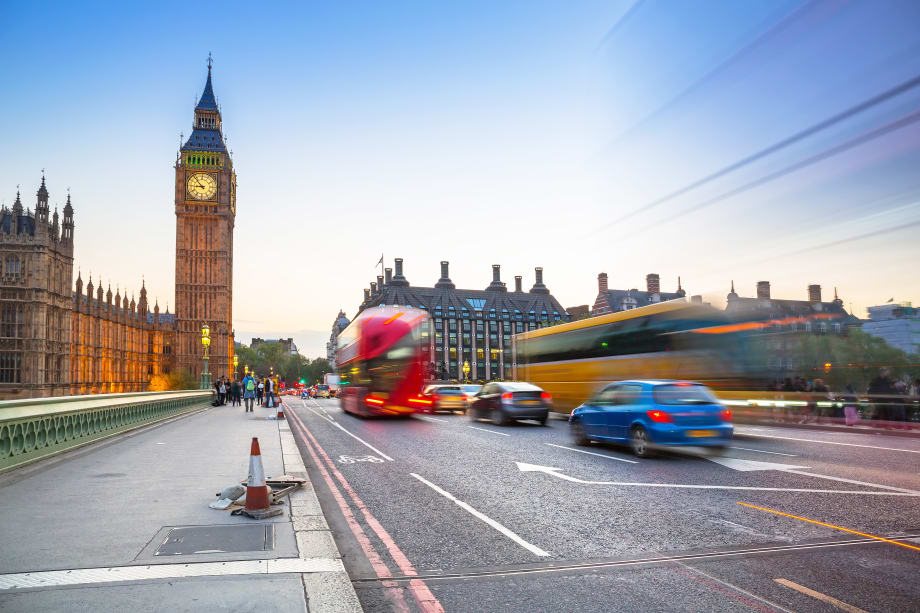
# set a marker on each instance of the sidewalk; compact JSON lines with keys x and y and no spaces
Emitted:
{"x":102,"y":512}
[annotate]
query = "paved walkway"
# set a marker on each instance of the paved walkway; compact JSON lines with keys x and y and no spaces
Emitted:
{"x":80,"y":531}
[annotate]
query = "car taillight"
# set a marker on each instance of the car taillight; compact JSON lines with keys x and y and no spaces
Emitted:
{"x":506,"y":397}
{"x":660,"y":417}
{"x":372,"y":400}
{"x":436,"y":398}
{"x":547,"y":397}
{"x":725,"y":414}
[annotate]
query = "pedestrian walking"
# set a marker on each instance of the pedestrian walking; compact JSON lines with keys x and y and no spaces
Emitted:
{"x":269,"y":393}
{"x":881,"y":392}
{"x":249,"y":392}
{"x":235,"y":392}
{"x":222,"y":391}
{"x":850,"y":406}
{"x":260,"y":391}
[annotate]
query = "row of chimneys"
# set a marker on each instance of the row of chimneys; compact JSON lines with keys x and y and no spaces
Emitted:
{"x":814,"y":291}
{"x":497,"y":285}
{"x":652,"y":283}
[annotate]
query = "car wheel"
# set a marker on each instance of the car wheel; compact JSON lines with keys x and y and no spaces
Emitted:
{"x":543,"y":420}
{"x":639,"y":440}
{"x":718,"y":449}
{"x":471,"y":413}
{"x":500,"y":418}
{"x":578,"y":433}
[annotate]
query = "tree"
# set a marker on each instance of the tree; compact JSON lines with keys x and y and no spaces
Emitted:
{"x":181,"y":379}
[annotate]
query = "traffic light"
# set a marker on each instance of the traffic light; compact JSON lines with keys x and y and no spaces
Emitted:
{"x":302,"y":381}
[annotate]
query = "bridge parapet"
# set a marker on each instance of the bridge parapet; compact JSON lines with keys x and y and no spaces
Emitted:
{"x":36,"y":428}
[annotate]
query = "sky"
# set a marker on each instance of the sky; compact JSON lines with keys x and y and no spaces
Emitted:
{"x":561,"y":135}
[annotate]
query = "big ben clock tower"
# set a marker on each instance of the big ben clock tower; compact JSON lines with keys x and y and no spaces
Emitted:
{"x":205,"y":213}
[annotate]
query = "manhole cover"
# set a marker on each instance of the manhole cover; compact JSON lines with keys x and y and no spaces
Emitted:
{"x":216,"y":539}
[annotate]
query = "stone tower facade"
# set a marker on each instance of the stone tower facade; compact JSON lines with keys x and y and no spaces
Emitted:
{"x":205,"y":215}
{"x":36,"y":255}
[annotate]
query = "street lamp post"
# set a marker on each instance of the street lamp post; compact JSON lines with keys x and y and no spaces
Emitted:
{"x":206,"y":343}
{"x":236,"y":363}
{"x":466,"y":370}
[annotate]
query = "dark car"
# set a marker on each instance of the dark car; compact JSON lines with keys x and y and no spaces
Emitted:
{"x":653,"y":414}
{"x":510,"y":401}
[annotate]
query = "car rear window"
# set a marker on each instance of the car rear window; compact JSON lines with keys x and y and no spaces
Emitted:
{"x":322,"y":387}
{"x":448,"y":391}
{"x":683,"y":394}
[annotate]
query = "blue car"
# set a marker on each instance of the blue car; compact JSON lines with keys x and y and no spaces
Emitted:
{"x":650,"y":414}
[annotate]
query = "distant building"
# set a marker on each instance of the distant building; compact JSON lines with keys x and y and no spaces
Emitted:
{"x":582,"y":311}
{"x":470,"y":325}
{"x":615,"y":300}
{"x":785,"y":322}
{"x":898,"y":324}
{"x":287,"y":343}
{"x":341,"y":322}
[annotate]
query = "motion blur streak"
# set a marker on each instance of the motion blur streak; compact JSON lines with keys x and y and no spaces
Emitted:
{"x":903,"y":122}
{"x":821,"y":523}
{"x":866,"y":104}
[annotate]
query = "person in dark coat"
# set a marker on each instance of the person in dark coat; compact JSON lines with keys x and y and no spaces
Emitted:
{"x":881,"y":392}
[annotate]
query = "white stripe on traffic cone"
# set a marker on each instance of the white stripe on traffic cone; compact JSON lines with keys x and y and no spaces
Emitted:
{"x":257,"y":498}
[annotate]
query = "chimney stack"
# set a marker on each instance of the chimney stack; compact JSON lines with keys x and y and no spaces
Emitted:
{"x":517,"y":283}
{"x":653,"y":283}
{"x":398,"y":278}
{"x":380,"y":283}
{"x":445,"y":281}
{"x":763,"y":289}
{"x":388,"y":275}
{"x":602,"y":282}
{"x":367,"y":295}
{"x":814,"y":293}
{"x":496,"y":285}
{"x":373,"y":288}
{"x":698,"y":299}
{"x":538,"y":287}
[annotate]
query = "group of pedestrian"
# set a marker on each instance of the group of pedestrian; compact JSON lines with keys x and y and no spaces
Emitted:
{"x":890,"y":400}
{"x":228,"y":390}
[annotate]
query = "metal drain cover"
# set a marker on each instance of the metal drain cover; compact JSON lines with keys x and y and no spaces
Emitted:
{"x":194,"y":540}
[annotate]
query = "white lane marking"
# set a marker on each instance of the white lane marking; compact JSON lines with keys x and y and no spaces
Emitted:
{"x":511,"y":535}
{"x":524,"y":467}
{"x":749,"y":465}
{"x":600,"y":455}
{"x":735,"y":587}
{"x":819,"y":596}
{"x":489,"y":431}
{"x":77,"y":576}
{"x":810,"y":440}
{"x":357,"y":438}
{"x":426,"y":418}
{"x":853,"y":481}
{"x":791,"y":455}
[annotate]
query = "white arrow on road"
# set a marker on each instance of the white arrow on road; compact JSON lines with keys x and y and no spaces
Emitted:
{"x":556,"y":472}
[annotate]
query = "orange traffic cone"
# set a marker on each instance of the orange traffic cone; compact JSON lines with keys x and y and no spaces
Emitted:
{"x":257,"y":492}
{"x":280,"y":414}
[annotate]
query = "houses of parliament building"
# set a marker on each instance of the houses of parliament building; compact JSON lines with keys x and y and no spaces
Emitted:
{"x":59,"y":337}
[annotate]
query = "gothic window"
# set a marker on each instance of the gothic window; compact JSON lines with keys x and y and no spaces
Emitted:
{"x":12,"y":265}
{"x":10,"y":367}
{"x":11,"y":321}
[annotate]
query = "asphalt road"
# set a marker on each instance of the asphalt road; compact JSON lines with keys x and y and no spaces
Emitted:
{"x":438,"y":512}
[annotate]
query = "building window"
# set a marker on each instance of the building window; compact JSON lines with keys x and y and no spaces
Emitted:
{"x":452,"y":325}
{"x":491,"y":313}
{"x":506,"y":327}
{"x":480,"y":354}
{"x":12,"y":265}
{"x":519,"y":326}
{"x":10,"y":367}
{"x":493,"y":327}
{"x":466,"y":325}
{"x":479,"y":328}
{"x":452,"y":339}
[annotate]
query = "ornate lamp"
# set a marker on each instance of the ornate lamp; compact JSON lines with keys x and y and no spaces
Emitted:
{"x":206,"y":343}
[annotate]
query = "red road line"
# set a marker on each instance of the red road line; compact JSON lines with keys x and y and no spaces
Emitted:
{"x":423,"y":596}
{"x":715,"y":587}
{"x":391,"y":588}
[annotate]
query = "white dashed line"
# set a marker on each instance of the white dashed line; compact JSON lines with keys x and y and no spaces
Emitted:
{"x":511,"y":535}
{"x":601,"y":455}
{"x":791,"y":455}
{"x":357,"y":438}
{"x":427,"y":418}
{"x":489,"y":431}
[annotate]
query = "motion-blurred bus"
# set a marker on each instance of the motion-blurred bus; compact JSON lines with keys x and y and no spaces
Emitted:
{"x":379,"y":358}
{"x":670,"y":340}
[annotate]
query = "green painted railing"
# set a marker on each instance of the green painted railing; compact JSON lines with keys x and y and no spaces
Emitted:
{"x":39,"y":427}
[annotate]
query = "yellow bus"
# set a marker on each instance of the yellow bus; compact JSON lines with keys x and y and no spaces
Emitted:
{"x":669,"y":340}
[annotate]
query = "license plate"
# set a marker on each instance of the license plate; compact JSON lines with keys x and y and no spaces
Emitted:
{"x":701,"y":433}
{"x":530,"y":402}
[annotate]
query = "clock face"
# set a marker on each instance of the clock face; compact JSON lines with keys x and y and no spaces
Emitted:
{"x":201,"y":186}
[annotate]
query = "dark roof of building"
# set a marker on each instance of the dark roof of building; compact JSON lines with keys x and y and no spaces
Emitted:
{"x":205,"y":140}
{"x":642,"y":298}
{"x":774,"y":308}
{"x":470,"y":299}
{"x":25,"y":224}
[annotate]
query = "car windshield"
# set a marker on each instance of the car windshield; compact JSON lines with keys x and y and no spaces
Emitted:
{"x":520,"y":387}
{"x":683,"y":393}
{"x":471,"y":389}
{"x":322,"y":387}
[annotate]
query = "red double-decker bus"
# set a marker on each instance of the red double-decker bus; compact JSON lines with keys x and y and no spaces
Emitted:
{"x":380,"y":359}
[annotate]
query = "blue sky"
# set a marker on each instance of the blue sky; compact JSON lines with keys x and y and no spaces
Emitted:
{"x":515,"y":133}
